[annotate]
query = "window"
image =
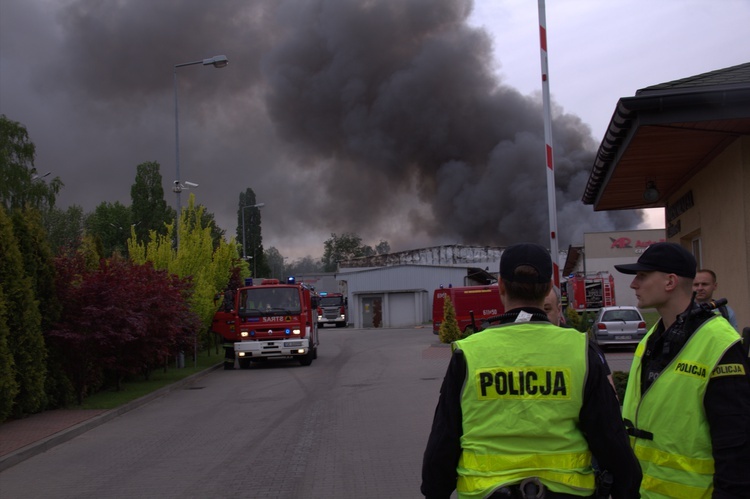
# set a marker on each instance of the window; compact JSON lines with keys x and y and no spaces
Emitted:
{"x":621,"y":315}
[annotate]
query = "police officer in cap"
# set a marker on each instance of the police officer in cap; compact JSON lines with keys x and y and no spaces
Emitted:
{"x":524,"y":404}
{"x":687,"y":403}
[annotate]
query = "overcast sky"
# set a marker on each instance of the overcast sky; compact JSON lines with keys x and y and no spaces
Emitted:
{"x":418,"y":122}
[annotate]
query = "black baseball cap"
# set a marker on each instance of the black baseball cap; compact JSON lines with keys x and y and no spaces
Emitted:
{"x":530,"y":254}
{"x":670,"y":258}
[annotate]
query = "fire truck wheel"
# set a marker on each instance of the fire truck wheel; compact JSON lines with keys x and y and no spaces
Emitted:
{"x":228,"y":366}
{"x":315,"y":353}
{"x":341,"y":324}
{"x":244,"y":363}
{"x":307,"y":359}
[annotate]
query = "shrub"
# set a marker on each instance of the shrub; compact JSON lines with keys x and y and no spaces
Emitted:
{"x":449,"y":330}
{"x":621,"y":382}
{"x":119,"y":320}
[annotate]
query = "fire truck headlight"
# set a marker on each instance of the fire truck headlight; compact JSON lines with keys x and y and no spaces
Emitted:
{"x":301,"y":350}
{"x":244,"y":334}
{"x":296,"y":331}
{"x":241,"y":354}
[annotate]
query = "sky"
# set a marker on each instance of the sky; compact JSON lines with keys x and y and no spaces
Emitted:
{"x":417,"y":122}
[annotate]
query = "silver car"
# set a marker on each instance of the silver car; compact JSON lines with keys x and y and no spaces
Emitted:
{"x":618,"y":326}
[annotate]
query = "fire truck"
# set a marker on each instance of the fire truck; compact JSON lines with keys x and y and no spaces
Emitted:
{"x":268,"y":320}
{"x":590,"y":291}
{"x":332,"y":309}
{"x":473,"y":304}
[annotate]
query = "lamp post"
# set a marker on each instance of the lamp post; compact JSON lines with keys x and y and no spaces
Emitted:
{"x":244,"y":248}
{"x":217,"y":61}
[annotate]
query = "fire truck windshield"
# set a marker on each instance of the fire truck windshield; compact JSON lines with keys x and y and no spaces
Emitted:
{"x":275,"y":301}
{"x":331,"y":301}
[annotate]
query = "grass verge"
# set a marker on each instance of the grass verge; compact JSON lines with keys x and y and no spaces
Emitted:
{"x":137,"y":388}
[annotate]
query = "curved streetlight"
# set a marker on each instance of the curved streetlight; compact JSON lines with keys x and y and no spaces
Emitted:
{"x":244,"y":248}
{"x":36,"y":176}
{"x":217,"y":61}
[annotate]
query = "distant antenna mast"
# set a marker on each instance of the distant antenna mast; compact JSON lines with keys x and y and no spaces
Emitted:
{"x":551,"y":204}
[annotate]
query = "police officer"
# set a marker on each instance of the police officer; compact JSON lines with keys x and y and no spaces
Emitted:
{"x":687,"y":403}
{"x":524,"y":404}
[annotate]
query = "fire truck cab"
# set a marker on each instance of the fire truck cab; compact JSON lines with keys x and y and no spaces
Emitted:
{"x":332,"y":309}
{"x":269,"y":320}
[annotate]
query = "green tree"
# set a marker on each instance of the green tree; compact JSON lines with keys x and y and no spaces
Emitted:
{"x":382,"y":248}
{"x":341,"y":248}
{"x":38,"y":262}
{"x":572,"y":319}
{"x":20,"y":184}
{"x":275,"y":261}
{"x":8,"y":383}
{"x":65,"y":229}
{"x":306,"y":265}
{"x":449,"y":330}
{"x":208,"y":220}
{"x":149,"y":209}
{"x":210,"y":269}
{"x":25,"y":340}
{"x":252,"y":238}
{"x":110,"y":224}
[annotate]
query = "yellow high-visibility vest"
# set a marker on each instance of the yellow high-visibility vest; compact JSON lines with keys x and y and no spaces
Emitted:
{"x":674,"y":442}
{"x":520,"y":405}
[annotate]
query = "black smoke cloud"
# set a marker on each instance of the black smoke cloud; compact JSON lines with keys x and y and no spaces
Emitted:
{"x":384,"y":118}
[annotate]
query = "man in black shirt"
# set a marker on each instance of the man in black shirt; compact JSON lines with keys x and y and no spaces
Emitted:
{"x":597,"y":421}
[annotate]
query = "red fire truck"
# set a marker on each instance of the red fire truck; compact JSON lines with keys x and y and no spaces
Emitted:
{"x":332,"y":309}
{"x":268,"y":320}
{"x":473,"y":304}
{"x":590,"y":291}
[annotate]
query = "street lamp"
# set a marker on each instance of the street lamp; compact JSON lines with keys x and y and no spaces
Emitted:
{"x":244,"y":248}
{"x":36,"y":176}
{"x":217,"y":61}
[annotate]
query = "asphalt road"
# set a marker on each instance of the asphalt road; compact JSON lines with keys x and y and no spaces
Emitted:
{"x":353,"y":424}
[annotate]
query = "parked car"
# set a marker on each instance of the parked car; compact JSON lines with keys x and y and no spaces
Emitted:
{"x":622,"y":325}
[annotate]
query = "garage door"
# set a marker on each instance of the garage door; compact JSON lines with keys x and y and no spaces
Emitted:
{"x":403,"y":310}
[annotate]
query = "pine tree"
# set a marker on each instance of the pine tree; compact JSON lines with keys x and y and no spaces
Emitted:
{"x":25,"y":340}
{"x":572,"y":319}
{"x":8,"y":384}
{"x":449,"y":330}
{"x":148,"y":207}
{"x":38,"y":261}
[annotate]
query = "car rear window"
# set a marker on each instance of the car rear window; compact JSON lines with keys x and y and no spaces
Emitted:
{"x":621,"y":315}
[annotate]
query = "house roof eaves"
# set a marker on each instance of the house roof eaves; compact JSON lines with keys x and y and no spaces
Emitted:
{"x":628,"y":109}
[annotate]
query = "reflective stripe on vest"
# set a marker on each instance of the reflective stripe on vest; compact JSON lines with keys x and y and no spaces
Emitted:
{"x":678,"y":462}
{"x":520,"y":405}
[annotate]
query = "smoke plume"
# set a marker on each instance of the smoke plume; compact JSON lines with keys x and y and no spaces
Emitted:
{"x":384,"y":118}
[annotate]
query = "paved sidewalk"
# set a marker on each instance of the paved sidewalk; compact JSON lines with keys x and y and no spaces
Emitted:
{"x":24,"y":438}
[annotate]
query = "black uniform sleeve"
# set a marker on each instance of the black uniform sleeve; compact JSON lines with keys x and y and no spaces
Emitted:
{"x":444,"y":444}
{"x":727,"y":405}
{"x":601,"y":423}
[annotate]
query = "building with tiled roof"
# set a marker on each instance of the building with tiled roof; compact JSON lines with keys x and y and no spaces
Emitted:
{"x":684,"y":145}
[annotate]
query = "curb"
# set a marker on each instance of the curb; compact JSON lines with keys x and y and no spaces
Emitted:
{"x":60,"y":437}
